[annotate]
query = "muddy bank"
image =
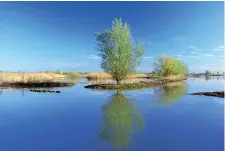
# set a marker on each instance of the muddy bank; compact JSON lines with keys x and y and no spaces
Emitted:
{"x":35,"y":84}
{"x":44,"y":91}
{"x":215,"y":94}
{"x":130,"y":86}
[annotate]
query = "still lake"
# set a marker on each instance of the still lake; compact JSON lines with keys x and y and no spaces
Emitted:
{"x":79,"y":119}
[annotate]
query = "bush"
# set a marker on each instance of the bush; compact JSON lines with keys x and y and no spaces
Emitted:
{"x":166,"y":66}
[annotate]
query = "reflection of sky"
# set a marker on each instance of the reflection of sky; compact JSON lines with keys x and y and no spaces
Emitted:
{"x":203,"y":85}
{"x":71,"y":120}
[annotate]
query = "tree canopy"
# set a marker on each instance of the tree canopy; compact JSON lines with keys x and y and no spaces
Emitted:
{"x":166,"y":66}
{"x":120,"y":55}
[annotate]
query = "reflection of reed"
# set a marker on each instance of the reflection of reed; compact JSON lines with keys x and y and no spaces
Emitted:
{"x":120,"y":120}
{"x":214,"y":77}
{"x":7,"y":90}
{"x":170,"y":92}
{"x":22,"y":90}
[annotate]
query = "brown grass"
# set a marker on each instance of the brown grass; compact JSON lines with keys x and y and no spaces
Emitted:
{"x":172,"y":78}
{"x":15,"y":77}
{"x":104,"y":75}
{"x":98,"y":75}
{"x":100,"y":81}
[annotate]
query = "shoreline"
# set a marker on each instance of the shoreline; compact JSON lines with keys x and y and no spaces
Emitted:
{"x":219,"y":94}
{"x":35,"y":85}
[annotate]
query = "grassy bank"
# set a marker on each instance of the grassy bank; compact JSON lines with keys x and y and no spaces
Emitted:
{"x":130,"y":86}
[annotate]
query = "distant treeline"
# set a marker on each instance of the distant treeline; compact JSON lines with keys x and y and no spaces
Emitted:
{"x":208,"y":73}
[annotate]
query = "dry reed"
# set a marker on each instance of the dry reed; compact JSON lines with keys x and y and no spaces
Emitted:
{"x":173,"y":77}
{"x":103,"y":75}
{"x":14,"y":77}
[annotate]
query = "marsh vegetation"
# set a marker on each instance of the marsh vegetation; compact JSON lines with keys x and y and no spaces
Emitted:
{"x":31,"y":79}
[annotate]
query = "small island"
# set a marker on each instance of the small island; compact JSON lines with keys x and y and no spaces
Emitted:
{"x":139,"y":85}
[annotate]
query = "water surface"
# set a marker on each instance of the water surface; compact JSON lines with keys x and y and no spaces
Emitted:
{"x":79,"y":119}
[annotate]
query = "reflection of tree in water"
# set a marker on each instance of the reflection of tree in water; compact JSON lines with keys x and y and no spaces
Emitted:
{"x":208,"y":78}
{"x":169,"y":93}
{"x":120,"y":120}
{"x":1,"y":91}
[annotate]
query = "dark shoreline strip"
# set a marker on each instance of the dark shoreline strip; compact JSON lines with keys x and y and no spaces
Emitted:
{"x":35,"y":84}
{"x":215,"y":94}
{"x":49,"y":91}
{"x":131,"y":86}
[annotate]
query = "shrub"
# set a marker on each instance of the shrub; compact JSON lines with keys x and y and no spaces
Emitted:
{"x":166,"y":66}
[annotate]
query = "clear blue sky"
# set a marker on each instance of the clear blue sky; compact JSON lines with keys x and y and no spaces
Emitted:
{"x":37,"y":36}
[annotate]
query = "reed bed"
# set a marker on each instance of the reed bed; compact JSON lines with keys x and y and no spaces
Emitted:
{"x":172,"y":78}
{"x":28,"y":77}
{"x":103,"y":75}
{"x":100,"y":81}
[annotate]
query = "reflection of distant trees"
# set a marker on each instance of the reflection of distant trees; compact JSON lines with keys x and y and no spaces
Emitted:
{"x":208,"y":78}
{"x":170,"y":92}
{"x":120,"y":120}
{"x":213,"y":77}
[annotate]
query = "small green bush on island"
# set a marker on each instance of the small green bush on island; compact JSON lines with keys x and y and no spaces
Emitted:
{"x":166,"y":66}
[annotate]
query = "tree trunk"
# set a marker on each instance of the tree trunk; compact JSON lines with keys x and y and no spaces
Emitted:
{"x":118,"y":81}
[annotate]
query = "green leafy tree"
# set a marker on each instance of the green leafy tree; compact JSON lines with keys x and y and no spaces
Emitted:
{"x":166,"y":66}
{"x":120,"y":120}
{"x":120,"y":55}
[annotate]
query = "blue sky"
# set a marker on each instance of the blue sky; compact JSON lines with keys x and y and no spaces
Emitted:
{"x":37,"y":36}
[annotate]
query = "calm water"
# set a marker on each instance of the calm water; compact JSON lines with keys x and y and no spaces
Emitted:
{"x":79,"y":119}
